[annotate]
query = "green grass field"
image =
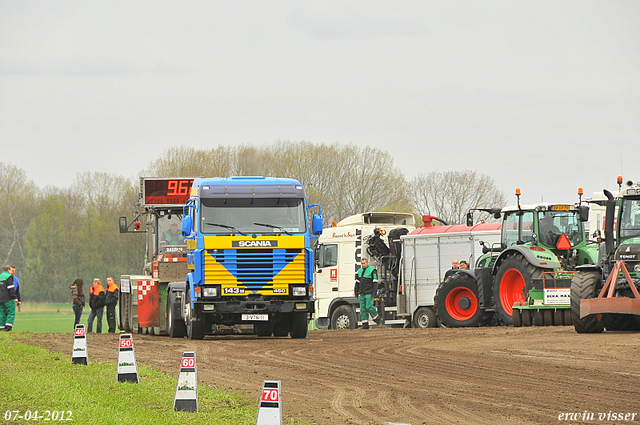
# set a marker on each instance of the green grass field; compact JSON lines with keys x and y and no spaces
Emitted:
{"x":50,"y":318}
{"x":32,"y":378}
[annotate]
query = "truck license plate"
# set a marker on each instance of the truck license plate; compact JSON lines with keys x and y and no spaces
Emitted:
{"x":262,"y":317}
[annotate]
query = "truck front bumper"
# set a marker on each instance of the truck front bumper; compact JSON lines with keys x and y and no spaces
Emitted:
{"x":255,"y":307}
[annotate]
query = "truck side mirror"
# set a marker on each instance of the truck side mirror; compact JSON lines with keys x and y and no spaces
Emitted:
{"x":123,"y":224}
{"x":316,"y":224}
{"x":584,"y":212}
{"x":469,"y":219}
{"x":186,"y":225}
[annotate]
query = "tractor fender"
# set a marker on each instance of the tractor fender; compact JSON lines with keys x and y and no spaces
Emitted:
{"x":529,"y":255}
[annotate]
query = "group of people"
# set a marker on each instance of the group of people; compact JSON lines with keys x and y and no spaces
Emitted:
{"x":9,"y":297}
{"x":456,"y":266}
{"x":99,"y":298}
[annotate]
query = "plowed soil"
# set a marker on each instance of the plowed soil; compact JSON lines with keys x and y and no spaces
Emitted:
{"x":490,"y":376}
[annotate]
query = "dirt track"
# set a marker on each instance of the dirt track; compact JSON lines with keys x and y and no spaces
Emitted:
{"x":418,"y":376}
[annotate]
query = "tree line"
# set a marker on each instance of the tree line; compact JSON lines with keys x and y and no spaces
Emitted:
{"x":55,"y":235}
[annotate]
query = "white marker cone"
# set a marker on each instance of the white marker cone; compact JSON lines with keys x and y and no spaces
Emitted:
{"x":79,"y":355}
{"x":127,"y":367}
{"x":270,"y":409}
{"x":186,"y":398}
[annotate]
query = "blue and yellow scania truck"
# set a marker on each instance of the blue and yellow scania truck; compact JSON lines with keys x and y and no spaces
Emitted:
{"x":243,"y":254}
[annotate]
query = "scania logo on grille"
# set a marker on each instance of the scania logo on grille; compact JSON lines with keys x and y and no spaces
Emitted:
{"x":250,"y":244}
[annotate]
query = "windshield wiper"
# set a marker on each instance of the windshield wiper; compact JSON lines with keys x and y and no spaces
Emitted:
{"x":274,"y":227}
{"x":226,"y":227}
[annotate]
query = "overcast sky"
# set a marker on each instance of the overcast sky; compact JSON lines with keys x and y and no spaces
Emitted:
{"x":541,"y":95}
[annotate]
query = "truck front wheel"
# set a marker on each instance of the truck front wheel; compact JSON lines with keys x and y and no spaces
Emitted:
{"x":193,"y":323}
{"x":343,"y":317}
{"x":299,"y":325}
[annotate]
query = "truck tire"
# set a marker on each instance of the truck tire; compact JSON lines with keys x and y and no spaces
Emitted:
{"x":263,"y":328}
{"x":457,"y":303}
{"x":583,"y":287}
{"x":512,"y":283}
{"x":283,"y":327}
{"x":175,"y":322}
{"x":299,"y":325}
{"x":424,"y":317}
{"x":343,"y":317}
{"x":193,"y":323}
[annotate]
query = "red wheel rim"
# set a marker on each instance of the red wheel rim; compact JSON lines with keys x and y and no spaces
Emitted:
{"x":452,"y":304}
{"x":512,"y":289}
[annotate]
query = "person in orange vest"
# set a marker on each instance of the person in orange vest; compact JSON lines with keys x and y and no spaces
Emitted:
{"x":111,"y":300}
{"x":96,"y":302}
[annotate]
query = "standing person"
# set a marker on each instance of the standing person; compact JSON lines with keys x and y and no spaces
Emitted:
{"x":16,"y":287}
{"x":96,"y":302}
{"x":111,"y":300}
{"x":365,"y":287}
{"x":464,"y":265}
{"x":455,"y":266}
{"x":8,"y":299}
{"x":77,"y":299}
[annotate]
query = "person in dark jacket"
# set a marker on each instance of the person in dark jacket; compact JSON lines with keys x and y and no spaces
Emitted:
{"x":365,"y":288}
{"x":77,"y":299}
{"x":111,"y":300}
{"x":96,"y":302}
{"x":8,"y":299}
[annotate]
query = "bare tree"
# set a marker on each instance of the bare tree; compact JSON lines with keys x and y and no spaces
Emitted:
{"x":450,"y":194}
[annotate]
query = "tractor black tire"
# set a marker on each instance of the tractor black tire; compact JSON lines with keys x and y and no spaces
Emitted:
{"x":195,"y":326}
{"x":621,"y":322}
{"x":175,"y":322}
{"x":548,"y":317}
{"x":282,"y":327}
{"x":424,"y":317}
{"x":558,"y":317}
{"x":514,"y":277}
{"x":299,"y":325}
{"x":583,"y":287}
{"x":517,"y":315}
{"x":526,"y":317}
{"x":263,"y":329}
{"x":457,"y":303}
{"x":343,"y":317}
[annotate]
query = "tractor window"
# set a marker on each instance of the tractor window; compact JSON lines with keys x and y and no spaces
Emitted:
{"x":555,"y":223}
{"x":328,"y":256}
{"x":512,"y":222}
{"x":630,"y":219}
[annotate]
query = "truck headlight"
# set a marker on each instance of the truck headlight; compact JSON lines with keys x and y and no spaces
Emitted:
{"x":211,"y":291}
{"x":299,"y":291}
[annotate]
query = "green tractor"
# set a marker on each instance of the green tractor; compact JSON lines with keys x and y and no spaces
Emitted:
{"x":541,"y":245}
{"x":606,"y":294}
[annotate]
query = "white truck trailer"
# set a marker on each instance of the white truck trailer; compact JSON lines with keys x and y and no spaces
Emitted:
{"x":410,"y":268}
{"x":427,"y":254}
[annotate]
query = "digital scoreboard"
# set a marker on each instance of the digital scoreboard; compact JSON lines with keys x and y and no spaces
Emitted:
{"x":165,"y":191}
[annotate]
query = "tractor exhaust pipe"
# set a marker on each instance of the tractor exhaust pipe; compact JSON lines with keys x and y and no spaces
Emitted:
{"x":608,"y":224}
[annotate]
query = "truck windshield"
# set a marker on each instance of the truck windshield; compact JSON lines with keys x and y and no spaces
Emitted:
{"x":252,"y":215}
{"x":630,"y":219}
{"x":555,"y":223}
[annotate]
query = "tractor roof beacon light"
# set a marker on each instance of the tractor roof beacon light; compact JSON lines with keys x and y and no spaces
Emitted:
{"x":518,"y":196}
{"x":619,"y":183}
{"x":580,"y":193}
